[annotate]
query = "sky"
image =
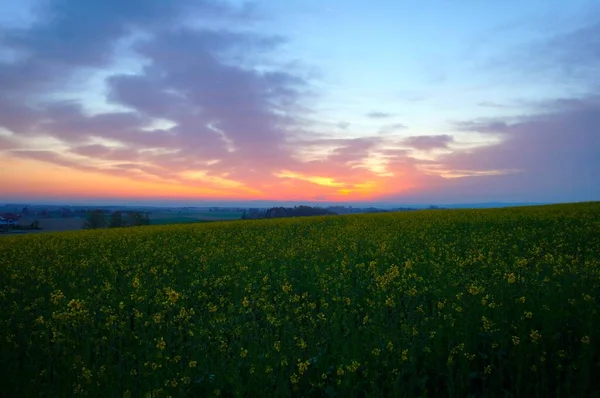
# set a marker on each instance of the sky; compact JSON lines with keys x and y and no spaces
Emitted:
{"x":439,"y":101}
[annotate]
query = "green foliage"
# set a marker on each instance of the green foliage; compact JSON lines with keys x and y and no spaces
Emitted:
{"x":116,"y":219}
{"x":95,"y":219}
{"x":435,"y":303}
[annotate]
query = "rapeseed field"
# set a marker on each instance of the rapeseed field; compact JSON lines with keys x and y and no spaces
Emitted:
{"x":499,"y":302}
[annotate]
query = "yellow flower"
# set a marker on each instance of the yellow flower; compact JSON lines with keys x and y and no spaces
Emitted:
{"x":487,"y":324}
{"x":390,"y":346}
{"x":405,"y":355}
{"x":585,"y":339}
{"x":302,"y":366}
{"x":535,"y":336}
{"x":56,"y":296}
{"x":353,"y":367}
{"x":172,"y":295}
{"x":193,"y":364}
{"x":475,"y":290}
{"x":286,"y":287}
{"x":516,"y":340}
{"x":161,"y":345}
{"x":340,"y":372}
{"x":301,"y":343}
{"x":243,"y":353}
{"x":511,"y":278}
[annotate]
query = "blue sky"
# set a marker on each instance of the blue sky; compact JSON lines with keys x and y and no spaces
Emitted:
{"x":301,"y":100}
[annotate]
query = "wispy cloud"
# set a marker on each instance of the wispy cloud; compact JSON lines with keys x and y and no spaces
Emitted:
{"x":392,"y":128}
{"x":379,"y":115}
{"x":428,"y":142}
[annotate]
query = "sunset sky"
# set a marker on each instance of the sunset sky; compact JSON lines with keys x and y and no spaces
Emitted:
{"x":308,"y":100}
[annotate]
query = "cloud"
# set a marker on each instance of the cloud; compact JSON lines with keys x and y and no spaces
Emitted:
{"x":567,"y":57}
{"x":224,"y":117}
{"x":6,"y":143}
{"x":104,"y":152}
{"x":199,"y":97}
{"x":574,"y":54}
{"x":72,"y":35}
{"x":492,"y":104}
{"x":391,"y":128}
{"x":484,"y":126}
{"x":555,"y":153}
{"x":428,"y":142}
{"x":379,"y":115}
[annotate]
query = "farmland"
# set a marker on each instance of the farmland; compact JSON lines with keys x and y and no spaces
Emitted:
{"x":174,"y":217}
{"x":500,"y":302}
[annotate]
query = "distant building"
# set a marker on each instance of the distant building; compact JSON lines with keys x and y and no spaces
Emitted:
{"x":9,"y":219}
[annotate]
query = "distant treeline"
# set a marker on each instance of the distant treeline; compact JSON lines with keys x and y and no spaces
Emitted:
{"x":106,"y":219}
{"x":280,"y":212}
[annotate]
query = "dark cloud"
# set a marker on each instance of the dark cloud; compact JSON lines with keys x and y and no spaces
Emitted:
{"x":200,"y":80}
{"x":71,"y":35}
{"x":428,"y":142}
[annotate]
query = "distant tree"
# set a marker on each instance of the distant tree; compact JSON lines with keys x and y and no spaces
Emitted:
{"x":95,"y":219}
{"x":116,"y":219}
{"x":298,"y":211}
{"x":138,"y":218}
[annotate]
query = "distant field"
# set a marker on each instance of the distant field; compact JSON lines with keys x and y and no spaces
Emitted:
{"x":51,"y":225}
{"x":173,"y":217}
{"x":460,"y":303}
{"x":157,"y":218}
